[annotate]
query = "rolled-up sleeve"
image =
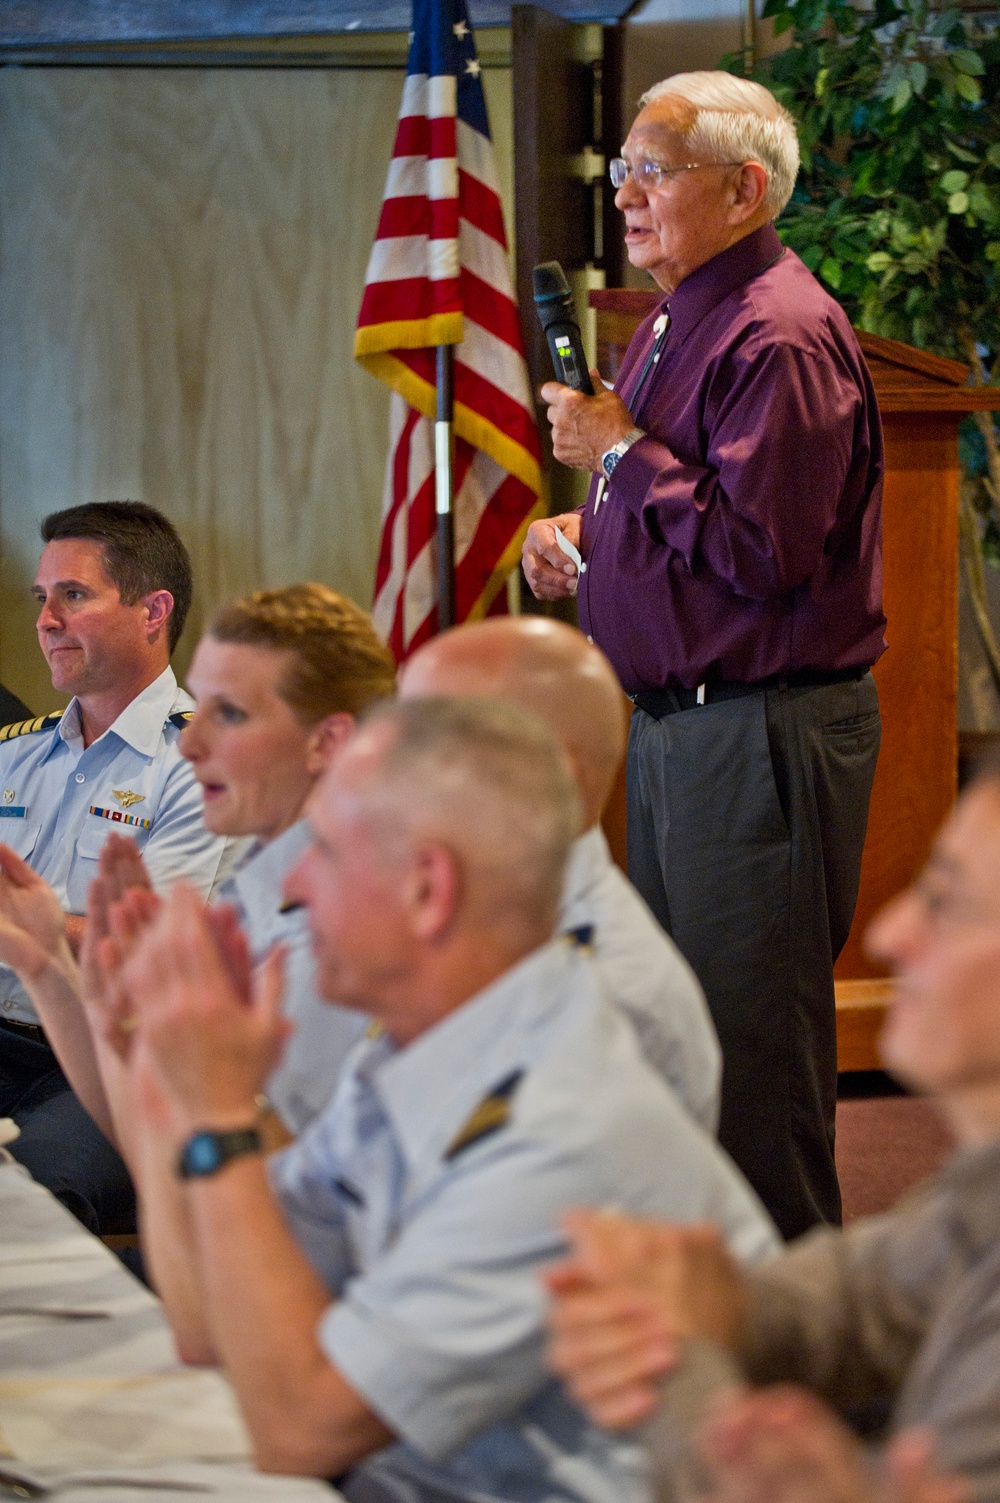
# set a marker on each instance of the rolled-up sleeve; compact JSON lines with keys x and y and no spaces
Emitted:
{"x":444,"y":1335}
{"x":304,"y":1177}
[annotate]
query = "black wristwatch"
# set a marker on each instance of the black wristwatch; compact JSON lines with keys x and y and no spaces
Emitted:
{"x":205,"y":1153}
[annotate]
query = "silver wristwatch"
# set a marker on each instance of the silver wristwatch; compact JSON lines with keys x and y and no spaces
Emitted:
{"x":610,"y":457}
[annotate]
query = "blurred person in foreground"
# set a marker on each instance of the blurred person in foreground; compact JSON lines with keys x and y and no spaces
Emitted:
{"x":897,"y":1317}
{"x":373,"y":1292}
{"x":277,"y":679}
{"x":553,"y":671}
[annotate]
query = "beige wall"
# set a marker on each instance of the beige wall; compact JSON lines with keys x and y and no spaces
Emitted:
{"x":182,"y":253}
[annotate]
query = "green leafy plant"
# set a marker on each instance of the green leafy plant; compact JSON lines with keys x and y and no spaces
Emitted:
{"x":897,"y":206}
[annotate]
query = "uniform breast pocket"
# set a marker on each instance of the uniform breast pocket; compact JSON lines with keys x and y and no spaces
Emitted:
{"x":20,"y":835}
{"x":96,"y":831}
{"x":91,"y":838}
{"x":97,"y":828}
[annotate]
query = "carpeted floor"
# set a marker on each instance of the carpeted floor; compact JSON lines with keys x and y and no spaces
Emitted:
{"x":885,"y":1144}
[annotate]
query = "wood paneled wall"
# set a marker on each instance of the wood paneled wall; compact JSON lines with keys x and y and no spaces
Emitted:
{"x":182,"y":253}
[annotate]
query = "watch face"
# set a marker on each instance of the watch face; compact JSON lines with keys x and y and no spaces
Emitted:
{"x":609,"y":461}
{"x":202,"y":1154}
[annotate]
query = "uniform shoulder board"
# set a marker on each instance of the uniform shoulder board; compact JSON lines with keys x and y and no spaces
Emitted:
{"x":180,"y":718}
{"x":581,"y":938}
{"x":26,"y":727}
{"x":492,"y":1113}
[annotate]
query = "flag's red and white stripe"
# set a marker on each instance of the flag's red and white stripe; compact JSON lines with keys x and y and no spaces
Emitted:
{"x":439,"y":274}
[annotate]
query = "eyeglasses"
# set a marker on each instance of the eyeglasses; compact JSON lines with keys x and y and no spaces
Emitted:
{"x":647,"y":175}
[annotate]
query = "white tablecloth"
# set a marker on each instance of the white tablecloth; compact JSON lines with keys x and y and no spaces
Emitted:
{"x":94,"y":1405}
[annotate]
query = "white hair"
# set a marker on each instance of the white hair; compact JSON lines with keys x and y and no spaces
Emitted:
{"x":738,"y":121}
{"x":490,"y":780}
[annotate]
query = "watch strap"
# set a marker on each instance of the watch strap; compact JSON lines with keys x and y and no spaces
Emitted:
{"x":611,"y":456}
{"x":207,"y":1152}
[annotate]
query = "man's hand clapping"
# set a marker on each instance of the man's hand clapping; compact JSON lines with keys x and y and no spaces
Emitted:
{"x":121,"y":905}
{"x":783,"y":1445}
{"x":214,"y":1031}
{"x":624,"y":1301}
{"x":32,"y":923}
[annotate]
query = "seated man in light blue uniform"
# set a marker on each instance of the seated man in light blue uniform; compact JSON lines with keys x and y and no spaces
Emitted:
{"x":373,"y":1293}
{"x":555,"y":672}
{"x":113,"y":587}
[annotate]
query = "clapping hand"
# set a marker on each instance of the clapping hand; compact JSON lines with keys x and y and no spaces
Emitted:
{"x":32,"y":923}
{"x":624,"y":1301}
{"x":213,"y":1028}
{"x":783,"y":1445}
{"x":121,"y":905}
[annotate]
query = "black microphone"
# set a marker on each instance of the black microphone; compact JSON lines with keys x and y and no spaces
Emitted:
{"x":557,"y":316}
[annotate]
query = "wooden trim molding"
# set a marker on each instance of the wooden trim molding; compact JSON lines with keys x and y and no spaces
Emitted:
{"x":861,"y":1009}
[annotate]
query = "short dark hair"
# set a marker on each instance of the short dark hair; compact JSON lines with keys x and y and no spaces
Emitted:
{"x":142,"y":551}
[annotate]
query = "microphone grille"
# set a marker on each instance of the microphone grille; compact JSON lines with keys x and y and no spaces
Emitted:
{"x":549,"y":280}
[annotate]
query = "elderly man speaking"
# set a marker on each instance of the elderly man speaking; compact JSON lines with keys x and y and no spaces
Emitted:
{"x":732,"y":539}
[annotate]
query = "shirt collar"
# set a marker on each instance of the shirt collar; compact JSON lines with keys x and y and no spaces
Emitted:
{"x":589,"y":859}
{"x":140,"y":724}
{"x":258,"y":879}
{"x":429,"y":1088}
{"x":706,"y":287}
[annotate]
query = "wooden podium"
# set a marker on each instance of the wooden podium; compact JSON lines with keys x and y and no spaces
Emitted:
{"x":922,"y":399}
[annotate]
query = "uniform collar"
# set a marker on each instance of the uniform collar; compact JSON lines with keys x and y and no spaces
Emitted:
{"x":589,"y":859}
{"x":260,"y":875}
{"x":429,"y":1089}
{"x":141,"y":722}
{"x":706,"y":287}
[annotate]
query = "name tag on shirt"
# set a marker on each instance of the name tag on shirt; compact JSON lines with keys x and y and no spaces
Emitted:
{"x":13,"y":811}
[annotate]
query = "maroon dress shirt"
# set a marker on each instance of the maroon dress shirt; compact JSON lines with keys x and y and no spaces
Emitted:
{"x":742,"y":536}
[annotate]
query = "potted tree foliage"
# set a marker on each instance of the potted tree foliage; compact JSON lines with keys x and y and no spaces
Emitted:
{"x":897,"y":206}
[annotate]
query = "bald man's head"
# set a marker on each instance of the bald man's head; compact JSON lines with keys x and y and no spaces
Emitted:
{"x":545,"y":667}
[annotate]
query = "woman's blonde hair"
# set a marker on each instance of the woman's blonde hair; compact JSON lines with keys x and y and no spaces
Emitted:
{"x":338,"y":663}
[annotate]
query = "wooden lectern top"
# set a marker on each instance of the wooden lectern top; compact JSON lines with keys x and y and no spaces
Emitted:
{"x":911,"y":380}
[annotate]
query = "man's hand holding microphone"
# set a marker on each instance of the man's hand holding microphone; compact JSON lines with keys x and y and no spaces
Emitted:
{"x":587,"y":420}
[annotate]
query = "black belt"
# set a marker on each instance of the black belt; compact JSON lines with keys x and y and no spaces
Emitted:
{"x":32,"y":1030}
{"x":660,"y":702}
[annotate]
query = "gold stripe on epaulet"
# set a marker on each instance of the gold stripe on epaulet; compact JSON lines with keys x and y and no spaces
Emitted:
{"x":180,"y":718}
{"x":26,"y":727}
{"x":492,"y":1113}
{"x":374,"y":1030}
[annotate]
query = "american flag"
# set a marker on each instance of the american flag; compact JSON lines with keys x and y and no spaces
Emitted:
{"x":439,"y":274}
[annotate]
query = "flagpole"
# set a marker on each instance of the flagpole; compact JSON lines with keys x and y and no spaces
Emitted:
{"x":443,"y":486}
